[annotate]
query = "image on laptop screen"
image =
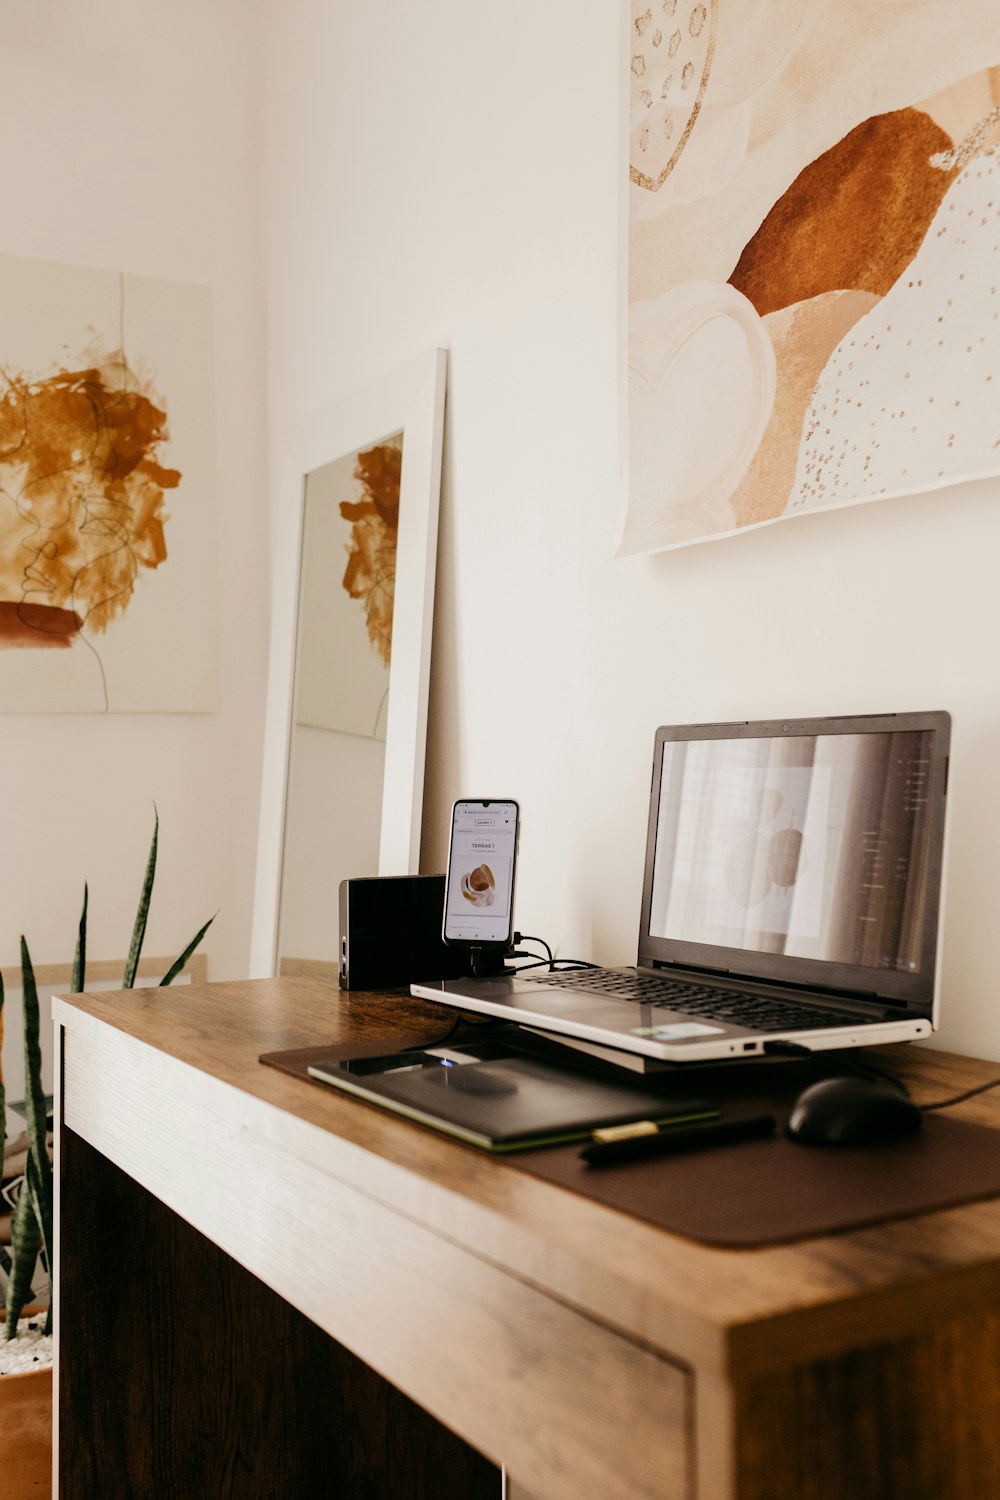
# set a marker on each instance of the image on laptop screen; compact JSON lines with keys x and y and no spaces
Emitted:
{"x":808,"y":846}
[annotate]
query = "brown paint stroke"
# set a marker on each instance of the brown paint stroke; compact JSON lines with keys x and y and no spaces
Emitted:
{"x":37,"y":625}
{"x":81,"y":497}
{"x":853,"y":219}
{"x":370,"y":574}
{"x":803,"y":338}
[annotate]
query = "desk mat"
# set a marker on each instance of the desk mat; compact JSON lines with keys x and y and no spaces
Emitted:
{"x":757,"y":1192}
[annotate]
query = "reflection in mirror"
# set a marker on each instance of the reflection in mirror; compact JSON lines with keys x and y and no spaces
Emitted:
{"x":346,"y":730}
{"x":336,"y":762}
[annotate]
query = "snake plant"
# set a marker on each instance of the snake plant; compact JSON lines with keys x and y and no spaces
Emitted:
{"x":4,"y":1257}
{"x":31,"y":1226}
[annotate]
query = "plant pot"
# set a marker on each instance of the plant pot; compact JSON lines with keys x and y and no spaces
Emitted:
{"x":26,"y":1428}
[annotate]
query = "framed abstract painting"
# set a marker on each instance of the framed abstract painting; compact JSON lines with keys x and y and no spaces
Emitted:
{"x":108,"y":566}
{"x":813,"y":257}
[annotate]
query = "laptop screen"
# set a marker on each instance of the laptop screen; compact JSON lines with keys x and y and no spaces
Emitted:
{"x":793,"y":851}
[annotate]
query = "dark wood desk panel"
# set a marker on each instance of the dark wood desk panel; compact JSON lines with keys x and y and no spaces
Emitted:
{"x":188,"y":1377}
{"x":589,"y":1353}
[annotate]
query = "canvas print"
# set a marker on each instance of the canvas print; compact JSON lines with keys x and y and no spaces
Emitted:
{"x":350,"y":537}
{"x":814,"y":258}
{"x":108,"y":593}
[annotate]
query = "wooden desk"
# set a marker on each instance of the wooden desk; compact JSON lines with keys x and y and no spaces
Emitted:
{"x":596,"y":1357}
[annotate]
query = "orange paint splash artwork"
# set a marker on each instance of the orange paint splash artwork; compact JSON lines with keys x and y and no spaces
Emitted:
{"x":370,"y":575}
{"x":109,"y":547}
{"x":82,"y":499}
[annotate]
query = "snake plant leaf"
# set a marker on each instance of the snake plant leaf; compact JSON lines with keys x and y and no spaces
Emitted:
{"x":178,"y":963}
{"x":79,"y":975}
{"x":42,"y":1210}
{"x":25,"y":1237}
{"x":139,"y":930}
{"x":3,"y":1092}
{"x":36,"y":1110}
{"x":41,"y":1204}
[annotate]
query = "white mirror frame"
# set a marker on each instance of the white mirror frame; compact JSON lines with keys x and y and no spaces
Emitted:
{"x":408,"y":400}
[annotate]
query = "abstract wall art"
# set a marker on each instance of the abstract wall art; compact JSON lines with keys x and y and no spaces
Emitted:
{"x":813,"y":258}
{"x":108,"y":592}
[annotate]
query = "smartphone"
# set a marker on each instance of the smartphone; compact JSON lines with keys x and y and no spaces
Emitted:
{"x":482,"y":858}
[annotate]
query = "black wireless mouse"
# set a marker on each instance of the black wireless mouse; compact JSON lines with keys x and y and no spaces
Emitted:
{"x":852,"y":1111}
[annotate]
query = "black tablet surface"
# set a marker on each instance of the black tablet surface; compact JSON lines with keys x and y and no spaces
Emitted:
{"x":497,"y":1097}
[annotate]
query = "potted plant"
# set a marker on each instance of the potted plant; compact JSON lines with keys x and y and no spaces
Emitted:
{"x":26,"y":1392}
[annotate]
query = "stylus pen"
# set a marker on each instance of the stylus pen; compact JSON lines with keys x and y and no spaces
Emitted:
{"x":671,"y":1138}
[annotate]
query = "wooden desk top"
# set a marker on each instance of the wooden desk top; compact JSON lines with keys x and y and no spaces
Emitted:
{"x":706,"y":1308}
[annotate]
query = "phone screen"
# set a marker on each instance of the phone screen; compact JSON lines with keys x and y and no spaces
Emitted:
{"x":479,"y":901}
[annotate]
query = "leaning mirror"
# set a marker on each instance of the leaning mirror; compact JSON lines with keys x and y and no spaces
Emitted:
{"x":342,"y":786}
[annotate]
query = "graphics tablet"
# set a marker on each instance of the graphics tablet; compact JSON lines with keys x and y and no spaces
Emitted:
{"x":499,"y":1098}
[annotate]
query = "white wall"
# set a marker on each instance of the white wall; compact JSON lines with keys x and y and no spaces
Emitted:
{"x":131,"y":143}
{"x":449,"y":174}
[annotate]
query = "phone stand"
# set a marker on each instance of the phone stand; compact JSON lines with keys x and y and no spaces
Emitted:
{"x":488,"y":963}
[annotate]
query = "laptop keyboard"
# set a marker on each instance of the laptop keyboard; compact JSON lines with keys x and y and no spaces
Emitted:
{"x":757,"y":1012}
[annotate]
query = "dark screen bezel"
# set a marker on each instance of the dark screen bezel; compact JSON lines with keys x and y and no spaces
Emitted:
{"x":915,"y":991}
{"x":499,"y":945}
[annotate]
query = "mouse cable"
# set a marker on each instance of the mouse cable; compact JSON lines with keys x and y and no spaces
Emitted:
{"x":961,"y":1098}
{"x":863,"y":1070}
{"x":794,"y":1049}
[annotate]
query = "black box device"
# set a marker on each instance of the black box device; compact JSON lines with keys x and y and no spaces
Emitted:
{"x":390,"y":933}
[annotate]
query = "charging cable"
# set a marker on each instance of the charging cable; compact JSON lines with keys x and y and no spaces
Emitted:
{"x":550,"y":962}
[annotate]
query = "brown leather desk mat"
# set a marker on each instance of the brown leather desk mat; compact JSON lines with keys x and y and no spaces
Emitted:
{"x":758,"y":1192}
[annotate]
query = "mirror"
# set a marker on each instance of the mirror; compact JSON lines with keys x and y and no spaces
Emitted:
{"x":347,"y":698}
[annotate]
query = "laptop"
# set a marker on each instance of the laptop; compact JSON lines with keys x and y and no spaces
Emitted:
{"x":792,"y":894}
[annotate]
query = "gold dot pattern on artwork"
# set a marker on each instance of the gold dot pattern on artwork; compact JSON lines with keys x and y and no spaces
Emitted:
{"x":970,"y":147}
{"x":846,"y":406}
{"x":674,"y":64}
